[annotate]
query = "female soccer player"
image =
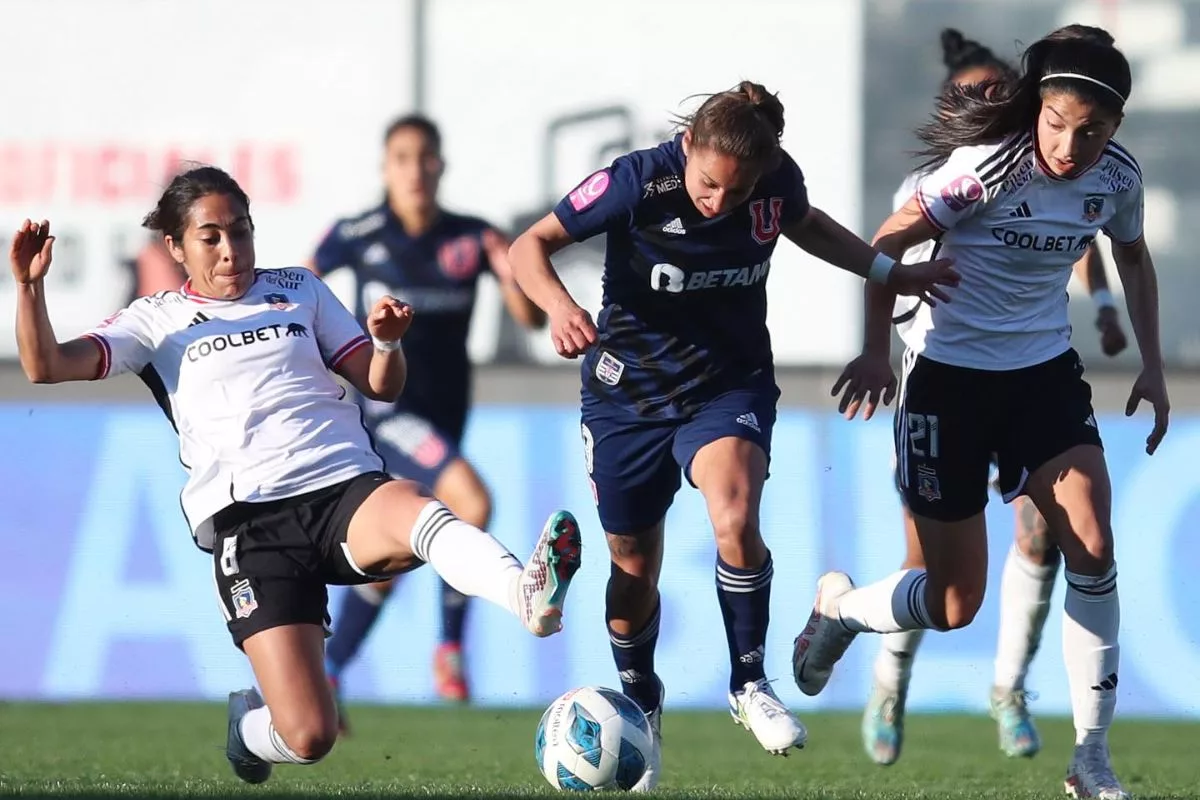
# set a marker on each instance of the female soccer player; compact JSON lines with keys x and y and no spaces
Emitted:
{"x":678,"y":372}
{"x":1032,"y":562}
{"x":412,"y":248}
{"x":283,"y":486}
{"x":993,"y":374}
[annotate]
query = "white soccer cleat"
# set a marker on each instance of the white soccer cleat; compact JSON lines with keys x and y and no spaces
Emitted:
{"x":653,"y":773}
{"x":246,"y":765}
{"x":1090,"y":774}
{"x":824,"y":639}
{"x":547,"y":575}
{"x":759,"y":710}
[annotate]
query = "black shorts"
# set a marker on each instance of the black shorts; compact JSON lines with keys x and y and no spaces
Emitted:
{"x":273,"y":560}
{"x":952,"y":422}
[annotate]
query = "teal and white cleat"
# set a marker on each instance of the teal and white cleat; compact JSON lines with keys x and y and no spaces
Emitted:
{"x":1018,"y":736}
{"x":547,"y":575}
{"x":759,"y":710}
{"x":653,"y":773}
{"x":883,"y":725}
{"x":246,"y":765}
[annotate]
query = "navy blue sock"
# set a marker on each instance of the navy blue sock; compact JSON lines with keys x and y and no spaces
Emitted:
{"x":745,"y":599}
{"x":454,"y":615}
{"x":353,"y":622}
{"x":634,"y":657}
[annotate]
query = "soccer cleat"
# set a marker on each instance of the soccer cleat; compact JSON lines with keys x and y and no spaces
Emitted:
{"x":448,"y":674}
{"x":824,"y":639}
{"x":652,"y":775}
{"x":544,"y":581}
{"x":759,"y":710}
{"x":1018,"y":736}
{"x":1090,"y":774}
{"x":883,"y":725}
{"x":246,"y":765}
{"x":335,"y":688}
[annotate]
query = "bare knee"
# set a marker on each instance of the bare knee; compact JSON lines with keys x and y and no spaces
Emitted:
{"x":464,"y":493}
{"x":475,"y":508}
{"x":739,"y":543}
{"x":309,"y":737}
{"x":634,"y":562}
{"x":1089,"y":549}
{"x":954,"y":606}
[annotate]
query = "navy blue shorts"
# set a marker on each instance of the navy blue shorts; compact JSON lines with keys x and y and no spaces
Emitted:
{"x":635,"y":463}
{"x":412,"y":447}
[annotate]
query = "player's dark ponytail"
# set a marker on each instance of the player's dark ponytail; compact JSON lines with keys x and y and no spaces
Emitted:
{"x":1076,"y":59}
{"x":169,"y":217}
{"x":960,"y":54}
{"x":745,"y":122}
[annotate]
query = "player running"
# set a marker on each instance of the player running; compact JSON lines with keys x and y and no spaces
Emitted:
{"x":284,"y":488}
{"x":1032,"y":562}
{"x":678,"y":372}
{"x":993,"y":374}
{"x":413,"y":249}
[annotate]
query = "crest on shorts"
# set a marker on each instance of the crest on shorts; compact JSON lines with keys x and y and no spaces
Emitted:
{"x":279,"y":301}
{"x":244,"y":602}
{"x":927,"y":484}
{"x":1093,"y":205}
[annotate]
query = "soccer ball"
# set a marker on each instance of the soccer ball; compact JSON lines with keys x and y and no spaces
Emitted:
{"x":593,"y":738}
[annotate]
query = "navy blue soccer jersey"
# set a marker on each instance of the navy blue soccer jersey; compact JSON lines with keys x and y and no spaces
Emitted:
{"x":366,"y":257}
{"x":684,"y":314}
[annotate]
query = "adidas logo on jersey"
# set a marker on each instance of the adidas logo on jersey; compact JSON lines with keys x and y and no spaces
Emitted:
{"x":750,"y":420}
{"x":1022,"y":212}
{"x":200,"y":317}
{"x":675,"y":226}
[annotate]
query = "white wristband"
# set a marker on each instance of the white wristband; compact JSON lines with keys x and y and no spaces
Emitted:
{"x":385,"y":346}
{"x":1103,"y":299}
{"x":881,"y":267}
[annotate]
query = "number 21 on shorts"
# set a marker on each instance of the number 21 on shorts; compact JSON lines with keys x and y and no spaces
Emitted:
{"x":923,"y":435}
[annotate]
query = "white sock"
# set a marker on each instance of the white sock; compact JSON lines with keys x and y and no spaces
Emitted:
{"x":470,"y":560}
{"x":1091,"y":621}
{"x":1025,"y":589}
{"x":262,"y":739}
{"x":893,"y":665}
{"x":896,"y":603}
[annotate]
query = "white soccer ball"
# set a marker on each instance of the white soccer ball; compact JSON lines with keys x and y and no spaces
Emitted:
{"x":593,"y":738}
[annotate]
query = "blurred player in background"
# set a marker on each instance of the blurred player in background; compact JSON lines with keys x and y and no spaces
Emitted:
{"x":412,"y":248}
{"x":284,"y":489}
{"x":1021,"y":176}
{"x":680,"y":375}
{"x":1032,"y":563}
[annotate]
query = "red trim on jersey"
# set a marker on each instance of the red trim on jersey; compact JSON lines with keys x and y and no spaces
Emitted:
{"x":187,"y":292}
{"x":105,"y":354}
{"x":926,"y":212}
{"x":347,"y":349}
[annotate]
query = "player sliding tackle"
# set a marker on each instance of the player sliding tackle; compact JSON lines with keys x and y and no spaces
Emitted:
{"x":283,"y":486}
{"x":678,"y":375}
{"x":995,"y":372}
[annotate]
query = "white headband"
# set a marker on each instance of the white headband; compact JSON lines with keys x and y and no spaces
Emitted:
{"x":1078,"y":77}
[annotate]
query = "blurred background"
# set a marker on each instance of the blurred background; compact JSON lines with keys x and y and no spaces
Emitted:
{"x":106,"y":597}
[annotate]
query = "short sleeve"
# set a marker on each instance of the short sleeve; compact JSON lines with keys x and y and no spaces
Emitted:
{"x":907,"y":189}
{"x":333,"y":253}
{"x":795,"y":200}
{"x":338,"y":333}
{"x":954,"y":191}
{"x":1125,"y":226}
{"x":125,"y":340}
{"x":606,"y":200}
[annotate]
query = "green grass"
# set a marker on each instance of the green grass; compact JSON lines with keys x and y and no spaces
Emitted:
{"x":161,"y":750}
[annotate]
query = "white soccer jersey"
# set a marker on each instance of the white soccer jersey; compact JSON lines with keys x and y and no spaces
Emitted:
{"x":247,"y":385}
{"x":1014,"y":231}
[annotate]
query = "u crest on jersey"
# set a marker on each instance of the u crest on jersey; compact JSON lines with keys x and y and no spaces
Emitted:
{"x":764,"y":229}
{"x":459,"y":257}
